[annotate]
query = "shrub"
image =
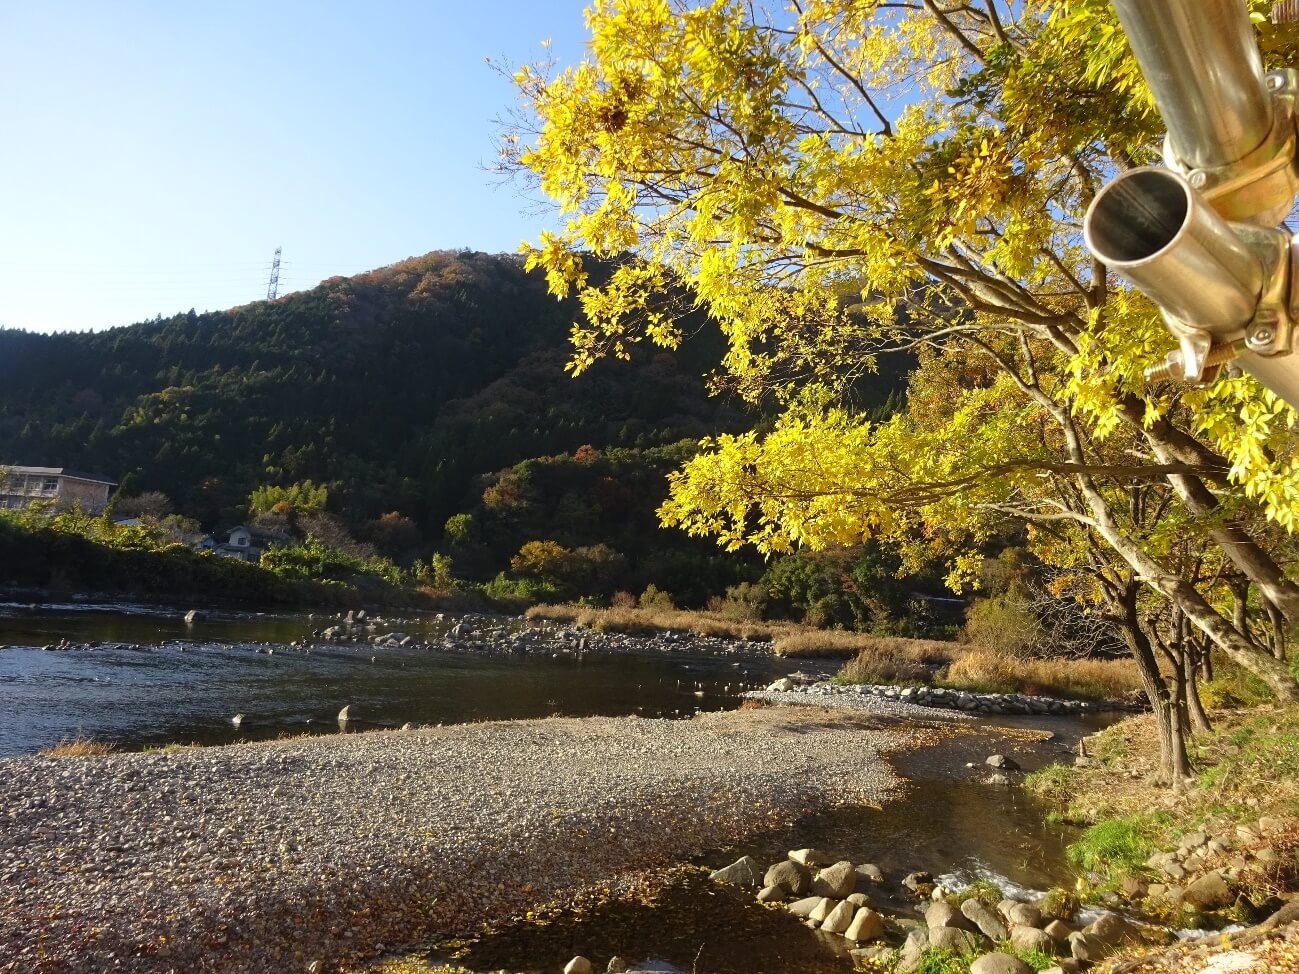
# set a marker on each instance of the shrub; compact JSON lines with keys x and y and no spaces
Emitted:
{"x":78,"y":747}
{"x":1122,"y":844}
{"x":653,"y":598}
{"x":1003,"y":625}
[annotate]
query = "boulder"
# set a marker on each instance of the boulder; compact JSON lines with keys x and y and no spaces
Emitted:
{"x":1086,"y":948}
{"x":824,"y":907}
{"x":838,"y":880}
{"x":1002,"y":763}
{"x":1058,"y":931}
{"x":943,"y":914}
{"x":957,"y":941}
{"x":812,"y":858}
{"x":858,"y":899}
{"x":616,"y":965}
{"x":1111,"y":929}
{"x":578,"y":965}
{"x":840,"y":918}
{"x":789,"y":876}
{"x":772,"y":894}
{"x":1023,"y":915}
{"x":1209,"y":892}
{"x":917,"y":880}
{"x":985,"y":919}
{"x":868,"y":872}
{"x":804,"y":907}
{"x":743,"y":872}
{"x":1031,"y":938}
{"x":783,"y":685}
{"x":913,"y":951}
{"x":866,"y":925}
{"x":999,"y":964}
{"x":345,"y":714}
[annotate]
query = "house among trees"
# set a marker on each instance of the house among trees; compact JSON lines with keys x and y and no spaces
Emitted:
{"x":247,"y":542}
{"x":21,"y":486}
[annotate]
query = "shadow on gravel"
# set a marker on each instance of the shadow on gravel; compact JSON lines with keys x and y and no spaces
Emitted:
{"x":690,"y":921}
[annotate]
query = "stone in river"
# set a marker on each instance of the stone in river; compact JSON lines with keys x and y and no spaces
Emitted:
{"x":804,"y":907}
{"x":840,"y":918}
{"x":743,"y":872}
{"x":824,"y":907}
{"x":345,"y":714}
{"x":812,"y":857}
{"x":772,"y":894}
{"x":984,"y":919}
{"x":1031,"y":938}
{"x":999,"y":964}
{"x":1209,"y":892}
{"x":957,"y":941}
{"x":943,"y":914}
{"x":789,"y":876}
{"x":838,"y":880}
{"x":1003,"y":763}
{"x":578,"y":965}
{"x":866,"y":925}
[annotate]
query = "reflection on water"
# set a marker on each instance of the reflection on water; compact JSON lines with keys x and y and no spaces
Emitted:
{"x":179,"y":683}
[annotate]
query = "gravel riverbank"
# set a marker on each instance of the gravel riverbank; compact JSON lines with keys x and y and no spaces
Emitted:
{"x":310,"y":854}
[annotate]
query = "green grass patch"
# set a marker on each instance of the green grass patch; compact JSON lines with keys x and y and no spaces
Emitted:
{"x":934,"y":961}
{"x":1117,"y":844}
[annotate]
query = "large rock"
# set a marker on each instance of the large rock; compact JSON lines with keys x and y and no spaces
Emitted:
{"x":839,"y":919}
{"x":999,"y":964}
{"x":1002,"y":763}
{"x":913,"y":951}
{"x":1031,"y":938}
{"x":1111,"y":929}
{"x":1059,"y":931}
{"x":743,"y":872}
{"x":1086,"y":947}
{"x":955,"y":940}
{"x":578,"y":965}
{"x":783,"y":685}
{"x":867,"y":873}
{"x":789,"y":876}
{"x":772,"y":894}
{"x":824,"y":907}
{"x":838,"y":880}
{"x":1209,"y":892}
{"x":983,"y":918}
{"x":804,"y":907}
{"x":346,"y":714}
{"x":943,"y":914}
{"x":812,"y":858}
{"x":866,"y":925}
{"x":1023,"y":915}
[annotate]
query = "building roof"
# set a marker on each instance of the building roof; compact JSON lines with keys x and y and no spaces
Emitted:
{"x":97,"y":478}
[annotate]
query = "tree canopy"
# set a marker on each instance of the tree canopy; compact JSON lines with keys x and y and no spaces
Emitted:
{"x":841,"y":181}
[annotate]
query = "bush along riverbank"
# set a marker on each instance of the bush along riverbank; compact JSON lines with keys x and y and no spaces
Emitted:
{"x":1220,"y":852}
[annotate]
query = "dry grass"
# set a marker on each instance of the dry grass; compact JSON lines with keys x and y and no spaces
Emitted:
{"x":846,"y":645}
{"x":78,"y":747}
{"x":977,"y":669}
{"x":637,"y":621}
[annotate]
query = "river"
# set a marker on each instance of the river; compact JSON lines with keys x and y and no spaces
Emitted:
{"x":155,"y":680}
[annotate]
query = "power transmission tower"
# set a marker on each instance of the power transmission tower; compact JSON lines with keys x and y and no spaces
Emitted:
{"x":274,"y":286}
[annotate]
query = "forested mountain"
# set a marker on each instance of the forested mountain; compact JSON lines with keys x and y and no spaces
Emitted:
{"x":395,"y":387}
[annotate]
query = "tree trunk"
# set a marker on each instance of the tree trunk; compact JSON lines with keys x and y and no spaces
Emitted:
{"x":1277,"y":636}
{"x":1191,"y":660}
{"x":1125,"y":601}
{"x":1185,"y":596}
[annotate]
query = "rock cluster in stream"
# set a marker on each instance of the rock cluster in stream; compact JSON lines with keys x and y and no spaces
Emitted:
{"x":837,"y":896}
{"x":968,"y":701}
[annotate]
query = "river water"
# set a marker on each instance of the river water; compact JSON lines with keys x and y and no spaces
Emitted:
{"x":157,"y":680}
{"x":154,"y":680}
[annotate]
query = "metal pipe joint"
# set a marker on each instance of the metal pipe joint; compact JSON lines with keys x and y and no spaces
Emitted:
{"x":1199,"y":237}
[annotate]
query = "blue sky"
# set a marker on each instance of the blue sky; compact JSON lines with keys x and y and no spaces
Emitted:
{"x":155,"y":154}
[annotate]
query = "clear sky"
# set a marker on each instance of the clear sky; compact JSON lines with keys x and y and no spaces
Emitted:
{"x":153,"y":155}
